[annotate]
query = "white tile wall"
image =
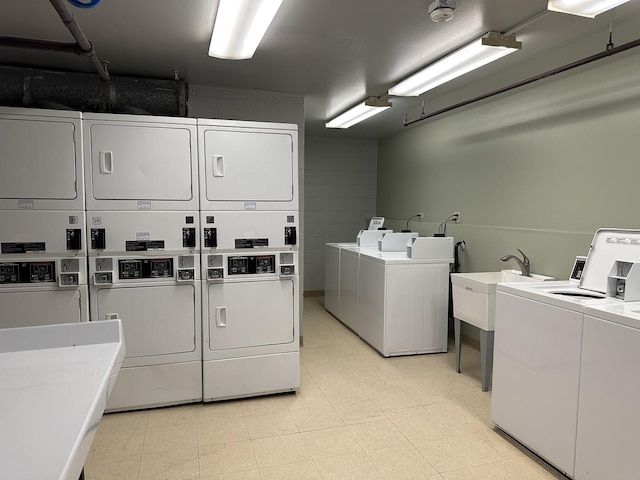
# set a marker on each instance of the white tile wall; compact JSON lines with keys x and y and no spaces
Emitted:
{"x":340,"y":195}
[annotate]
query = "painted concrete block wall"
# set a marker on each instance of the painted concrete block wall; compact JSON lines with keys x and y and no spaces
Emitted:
{"x":340,"y":195}
{"x":539,"y":169}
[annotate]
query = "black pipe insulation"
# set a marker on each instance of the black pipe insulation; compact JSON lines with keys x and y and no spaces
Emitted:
{"x":599,"y":56}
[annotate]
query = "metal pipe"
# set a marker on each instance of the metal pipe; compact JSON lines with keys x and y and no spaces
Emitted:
{"x":19,"y":42}
{"x":84,"y":45}
{"x":542,"y":76}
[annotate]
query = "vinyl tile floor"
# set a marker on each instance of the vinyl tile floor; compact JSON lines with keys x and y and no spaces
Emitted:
{"x":357,"y":415}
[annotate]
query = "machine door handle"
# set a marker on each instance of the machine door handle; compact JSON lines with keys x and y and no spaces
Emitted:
{"x":106,"y":162}
{"x":221,"y":316}
{"x":218,"y":165}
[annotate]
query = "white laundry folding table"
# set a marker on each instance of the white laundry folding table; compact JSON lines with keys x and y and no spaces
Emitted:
{"x":54,"y":384}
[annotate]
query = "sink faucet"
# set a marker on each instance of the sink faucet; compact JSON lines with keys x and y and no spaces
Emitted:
{"x":524,"y":263}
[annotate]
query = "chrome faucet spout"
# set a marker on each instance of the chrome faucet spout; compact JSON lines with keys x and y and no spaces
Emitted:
{"x":525,"y":265}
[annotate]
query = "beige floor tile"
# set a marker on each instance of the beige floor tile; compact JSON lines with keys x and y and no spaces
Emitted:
{"x":280,"y":450}
{"x":293,"y":471}
{"x":359,"y":412}
{"x":525,"y":469}
{"x":165,"y":439}
{"x":353,"y":466}
{"x":264,"y":405}
{"x":449,"y":454}
{"x":308,"y":395}
{"x":343,"y":393}
{"x":122,"y":468}
{"x":315,"y":418}
{"x":180,"y":464}
{"x":481,"y":472}
{"x":248,"y":475}
{"x":167,"y":416}
{"x":422,"y":428}
{"x":402,"y":462}
{"x":227,"y":458}
{"x":383,"y":388}
{"x":123,"y":421}
{"x":330,"y":442}
{"x":270,"y":424}
{"x":222,"y":430}
{"x":377,"y":435}
{"x":226,"y":409}
{"x":117,"y":444}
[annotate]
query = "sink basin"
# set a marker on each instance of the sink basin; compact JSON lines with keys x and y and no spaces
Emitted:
{"x":474,"y":294}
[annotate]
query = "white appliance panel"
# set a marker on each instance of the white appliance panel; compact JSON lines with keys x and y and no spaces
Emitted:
{"x":25,"y":307}
{"x":371,"y":300}
{"x":160,"y":322}
{"x":248,"y":376}
{"x":40,"y":159}
{"x":248,"y":165}
{"x":120,"y":227}
{"x":250,"y":314}
{"x":51,"y":228}
{"x":349,"y":288}
{"x":608,"y":417}
{"x":536,"y":376}
{"x":260,"y":225}
{"x":140,"y":163}
{"x":332,"y":278}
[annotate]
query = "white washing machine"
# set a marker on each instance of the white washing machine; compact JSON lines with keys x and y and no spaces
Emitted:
{"x":43,"y":268}
{"x":250,"y":323}
{"x":144,"y":268}
{"x":138,"y":162}
{"x":41,"y":165}
{"x":402,"y":302}
{"x":332,"y":276}
{"x":538,"y":348}
{"x":248,"y":166}
{"x":608,"y":414}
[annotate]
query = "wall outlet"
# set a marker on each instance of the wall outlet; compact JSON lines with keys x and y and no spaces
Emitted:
{"x":421,"y":215}
{"x":457,"y":217}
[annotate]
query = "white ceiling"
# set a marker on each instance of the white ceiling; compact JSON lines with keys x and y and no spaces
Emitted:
{"x":335,"y":52}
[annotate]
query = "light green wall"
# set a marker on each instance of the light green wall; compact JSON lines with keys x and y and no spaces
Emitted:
{"x":539,"y":169}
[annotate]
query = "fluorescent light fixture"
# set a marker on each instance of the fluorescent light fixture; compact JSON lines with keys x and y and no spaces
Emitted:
{"x":370,"y":107}
{"x":473,"y":55}
{"x":583,"y":8}
{"x":239,"y":27}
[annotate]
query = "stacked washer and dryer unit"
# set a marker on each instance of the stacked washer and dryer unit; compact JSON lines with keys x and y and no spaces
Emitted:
{"x":141,"y":178}
{"x":250,"y":288}
{"x":42,"y":222}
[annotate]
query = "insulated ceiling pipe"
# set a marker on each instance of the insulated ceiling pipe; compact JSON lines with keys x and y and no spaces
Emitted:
{"x":83,"y":44}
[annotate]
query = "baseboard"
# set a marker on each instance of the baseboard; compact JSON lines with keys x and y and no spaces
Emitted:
{"x":314,"y":293}
{"x":471,"y":342}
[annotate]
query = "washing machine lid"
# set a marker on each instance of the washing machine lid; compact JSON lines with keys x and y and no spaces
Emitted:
{"x":607,"y":246}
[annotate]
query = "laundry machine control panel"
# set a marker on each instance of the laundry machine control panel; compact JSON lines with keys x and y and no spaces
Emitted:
{"x":219,"y":266}
{"x":109,"y":270}
{"x":27,"y":272}
{"x":145,"y":268}
{"x":251,"y":264}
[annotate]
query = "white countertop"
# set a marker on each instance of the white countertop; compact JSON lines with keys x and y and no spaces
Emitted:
{"x":54,"y":384}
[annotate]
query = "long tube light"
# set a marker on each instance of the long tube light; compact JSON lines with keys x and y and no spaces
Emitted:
{"x":583,"y":8}
{"x":370,"y":107}
{"x":470,"y":57}
{"x":239,"y":27}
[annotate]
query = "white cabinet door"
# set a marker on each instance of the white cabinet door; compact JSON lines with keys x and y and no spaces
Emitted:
{"x":609,"y":418}
{"x":536,"y":376}
{"x":40,"y":164}
{"x":160,"y":322}
{"x":242,"y":315}
{"x":141,"y":162}
{"x":248,"y":169}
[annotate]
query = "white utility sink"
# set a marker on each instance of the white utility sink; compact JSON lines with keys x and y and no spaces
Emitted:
{"x":474,"y":294}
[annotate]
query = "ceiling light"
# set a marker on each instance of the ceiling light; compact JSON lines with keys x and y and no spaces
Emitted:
{"x":239,"y":27}
{"x":370,"y":107}
{"x":473,"y":55}
{"x":583,"y":8}
{"x":441,"y":10}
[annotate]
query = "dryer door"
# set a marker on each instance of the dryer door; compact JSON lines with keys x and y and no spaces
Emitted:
{"x":41,"y":307}
{"x":250,"y":314}
{"x":159,"y":321}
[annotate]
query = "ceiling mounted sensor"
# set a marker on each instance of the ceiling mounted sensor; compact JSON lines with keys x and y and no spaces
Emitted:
{"x":239,"y":27}
{"x":583,"y":8}
{"x":474,"y":55}
{"x":370,"y":107}
{"x":441,"y":10}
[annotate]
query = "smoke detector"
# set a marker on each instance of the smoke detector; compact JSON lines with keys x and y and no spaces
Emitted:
{"x":441,"y":10}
